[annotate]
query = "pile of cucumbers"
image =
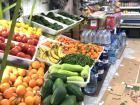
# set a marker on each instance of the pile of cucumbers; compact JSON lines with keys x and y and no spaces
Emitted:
{"x":69,"y":72}
{"x":58,"y":92}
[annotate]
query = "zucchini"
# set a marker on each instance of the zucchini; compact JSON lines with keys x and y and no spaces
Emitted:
{"x":75,"y":78}
{"x":52,"y":69}
{"x":75,"y":90}
{"x":69,"y":100}
{"x":46,"y":88}
{"x":54,"y":76}
{"x":47,"y":101}
{"x":85,"y":71}
{"x":58,"y":95}
{"x":58,"y":82}
{"x":65,"y":72}
{"x":73,"y":68}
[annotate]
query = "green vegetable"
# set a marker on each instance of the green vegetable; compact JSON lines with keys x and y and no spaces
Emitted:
{"x":58,"y":83}
{"x":54,"y":76}
{"x":70,"y":67}
{"x":46,"y":88}
{"x":73,"y":89}
{"x":75,"y":78}
{"x":77,"y":59}
{"x":69,"y":100}
{"x":58,"y":66}
{"x":85,"y":71}
{"x":52,"y":69}
{"x":58,"y":95}
{"x":67,"y":73}
{"x":47,"y":101}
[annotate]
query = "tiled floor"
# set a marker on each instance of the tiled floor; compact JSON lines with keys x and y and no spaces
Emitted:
{"x":132,"y":51}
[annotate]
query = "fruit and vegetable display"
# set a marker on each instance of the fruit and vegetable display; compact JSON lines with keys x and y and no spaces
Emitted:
{"x":20,"y":86}
{"x":41,"y":20}
{"x":69,"y":16}
{"x":58,"y":18}
{"x":58,"y":92}
{"x":51,"y":55}
{"x":70,"y":72}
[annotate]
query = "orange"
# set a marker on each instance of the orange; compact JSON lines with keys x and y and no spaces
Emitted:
{"x":14,"y":100}
{"x":8,"y":93}
{"x":4,"y":102}
{"x":36,"y":64}
{"x":25,"y":84}
{"x":42,"y":64}
{"x":4,"y":86}
{"x":36,"y":88}
{"x":17,"y":82}
{"x":29,"y":100}
{"x":29,"y":93}
{"x":13,"y":78}
{"x":34,"y":76}
{"x":22,"y":103}
{"x":15,"y":72}
{"x":32,"y":83}
{"x":20,"y":77}
{"x":33,"y":71}
{"x":37,"y":100}
{"x":5,"y":78}
{"x":21,"y":90}
{"x":29,"y":89}
{"x":26,"y":79}
{"x":1,"y":96}
{"x":41,"y":71}
{"x":39,"y":82}
{"x":21,"y":72}
{"x":30,"y":68}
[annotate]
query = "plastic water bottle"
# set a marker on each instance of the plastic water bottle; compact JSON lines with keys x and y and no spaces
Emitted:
{"x":100,"y":68}
{"x":91,"y":87}
{"x":123,"y":38}
{"x":112,"y":53}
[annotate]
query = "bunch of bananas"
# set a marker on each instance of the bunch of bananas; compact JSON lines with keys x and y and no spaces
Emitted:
{"x":53,"y":55}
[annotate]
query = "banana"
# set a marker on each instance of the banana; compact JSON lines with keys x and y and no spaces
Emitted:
{"x":53,"y":60}
{"x":60,"y":53}
{"x":54,"y":54}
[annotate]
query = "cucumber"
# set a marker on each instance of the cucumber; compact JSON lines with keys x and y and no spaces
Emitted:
{"x":75,"y":78}
{"x":58,"y":66}
{"x":58,"y":83}
{"x":69,"y":100}
{"x":58,"y":95}
{"x":73,"y":68}
{"x":46,"y":88}
{"x":54,"y":76}
{"x":67,"y":73}
{"x":47,"y":101}
{"x":85,"y":71}
{"x":52,"y":69}
{"x":75,"y":90}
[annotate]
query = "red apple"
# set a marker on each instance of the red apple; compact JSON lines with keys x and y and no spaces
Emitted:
{"x":18,"y":47}
{"x":12,"y":45}
{"x":18,"y":38}
{"x":35,"y":41}
{"x":21,"y":54}
{"x":14,"y":51}
{"x":30,"y":41}
{"x":2,"y":46}
{"x":31,"y":50}
{"x":5,"y":34}
{"x":2,"y":39}
{"x":24,"y":39}
{"x":28,"y":56}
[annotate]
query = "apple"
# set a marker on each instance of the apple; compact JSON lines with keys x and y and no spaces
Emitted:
{"x":2,"y":46}
{"x":31,"y":50}
{"x":34,"y":36}
{"x":14,"y":51}
{"x":15,"y":35}
{"x":35,"y":41}
{"x":2,"y":39}
{"x":28,"y":56}
{"x":1,"y":51}
{"x":21,"y":54}
{"x":5,"y":34}
{"x":18,"y":38}
{"x":12,"y":45}
{"x":18,"y":47}
{"x":24,"y":39}
{"x":30,"y":41}
{"x":25,"y":47}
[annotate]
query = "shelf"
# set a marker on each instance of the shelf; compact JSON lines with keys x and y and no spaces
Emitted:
{"x":138,"y":14}
{"x":130,"y":7}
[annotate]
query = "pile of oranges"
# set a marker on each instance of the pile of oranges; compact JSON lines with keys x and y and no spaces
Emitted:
{"x":20,"y":86}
